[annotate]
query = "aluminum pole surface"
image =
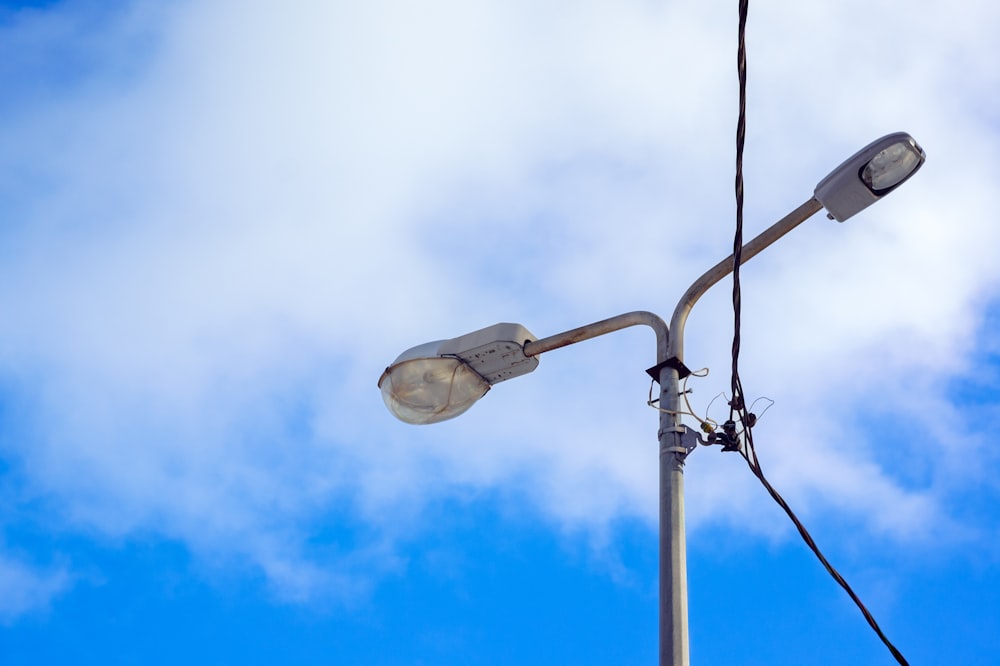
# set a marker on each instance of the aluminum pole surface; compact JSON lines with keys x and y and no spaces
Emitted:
{"x":674,"y":645}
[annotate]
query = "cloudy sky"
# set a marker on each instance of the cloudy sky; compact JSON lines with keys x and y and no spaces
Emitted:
{"x":220,"y":220}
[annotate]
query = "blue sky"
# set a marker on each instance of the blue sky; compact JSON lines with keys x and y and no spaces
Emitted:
{"x":220,"y":220}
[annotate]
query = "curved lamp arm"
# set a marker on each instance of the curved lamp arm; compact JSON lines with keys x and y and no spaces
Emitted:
{"x":726,"y":266}
{"x":603,"y":327}
{"x":861,"y":180}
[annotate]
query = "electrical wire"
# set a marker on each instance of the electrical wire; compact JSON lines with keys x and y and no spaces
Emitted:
{"x":708,"y":425}
{"x":741,"y":131}
{"x":770,"y":403}
{"x":737,"y":405}
{"x":750,"y":455}
{"x":712,"y":402}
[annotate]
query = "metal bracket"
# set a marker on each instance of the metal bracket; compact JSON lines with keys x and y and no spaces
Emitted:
{"x":672,"y":362}
{"x":689,"y":441}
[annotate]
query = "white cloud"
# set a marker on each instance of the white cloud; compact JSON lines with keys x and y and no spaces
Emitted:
{"x":24,"y":589}
{"x":216,"y":248}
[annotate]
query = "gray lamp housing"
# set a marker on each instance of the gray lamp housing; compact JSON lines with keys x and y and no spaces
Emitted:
{"x":870,"y":174}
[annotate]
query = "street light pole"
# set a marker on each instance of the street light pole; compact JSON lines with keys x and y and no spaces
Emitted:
{"x":674,"y":646}
{"x":440,"y":380}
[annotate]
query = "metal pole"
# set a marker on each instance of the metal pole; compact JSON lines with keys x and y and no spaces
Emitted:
{"x":674,"y":647}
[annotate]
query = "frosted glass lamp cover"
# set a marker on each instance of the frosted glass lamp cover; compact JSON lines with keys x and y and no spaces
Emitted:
{"x":892,"y":166}
{"x":870,"y":174}
{"x":421,"y":387}
{"x":440,"y":380}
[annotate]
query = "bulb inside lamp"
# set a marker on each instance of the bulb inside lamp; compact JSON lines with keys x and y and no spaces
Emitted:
{"x":891,"y":166}
{"x":430,"y":389}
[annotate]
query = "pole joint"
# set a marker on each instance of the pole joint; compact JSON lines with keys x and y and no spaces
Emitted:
{"x":672,"y":362}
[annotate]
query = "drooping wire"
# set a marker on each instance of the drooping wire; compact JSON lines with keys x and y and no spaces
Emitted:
{"x":738,"y":405}
{"x":750,"y":455}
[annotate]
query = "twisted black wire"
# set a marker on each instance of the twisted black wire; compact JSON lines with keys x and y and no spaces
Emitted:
{"x":741,"y":127}
{"x":738,"y":404}
{"x":754,"y":465}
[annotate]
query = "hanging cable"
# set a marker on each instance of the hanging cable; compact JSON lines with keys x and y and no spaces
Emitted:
{"x":741,"y":127}
{"x":737,"y":406}
{"x":750,"y":455}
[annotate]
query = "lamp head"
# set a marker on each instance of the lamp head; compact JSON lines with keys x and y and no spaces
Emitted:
{"x":439,"y":380}
{"x":870,"y":174}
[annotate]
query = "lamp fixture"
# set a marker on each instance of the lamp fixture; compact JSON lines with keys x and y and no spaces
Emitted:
{"x":439,"y":380}
{"x":870,"y":174}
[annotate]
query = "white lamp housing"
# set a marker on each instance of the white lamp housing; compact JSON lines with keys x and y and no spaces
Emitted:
{"x":439,"y":380}
{"x":870,"y":174}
